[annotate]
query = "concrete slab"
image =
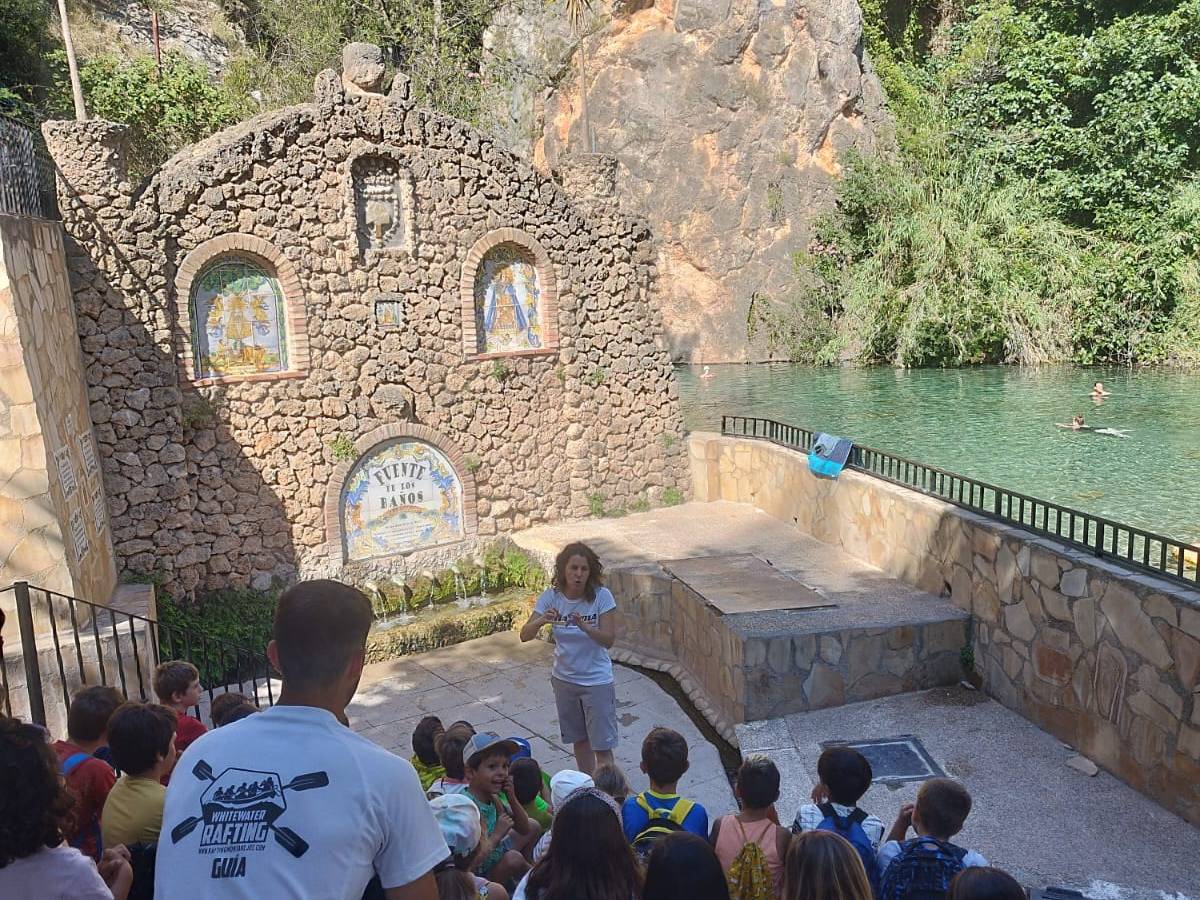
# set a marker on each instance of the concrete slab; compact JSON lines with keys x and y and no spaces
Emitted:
{"x":499,"y":684}
{"x":1032,"y":815}
{"x":741,"y":583}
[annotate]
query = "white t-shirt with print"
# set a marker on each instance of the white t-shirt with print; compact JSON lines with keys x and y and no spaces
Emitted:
{"x":291,"y":803}
{"x":54,"y":873}
{"x":577,"y":658}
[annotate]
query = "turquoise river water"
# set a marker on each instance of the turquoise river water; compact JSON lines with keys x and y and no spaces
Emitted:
{"x":996,"y":424}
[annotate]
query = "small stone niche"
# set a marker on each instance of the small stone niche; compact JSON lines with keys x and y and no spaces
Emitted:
{"x":383,"y":204}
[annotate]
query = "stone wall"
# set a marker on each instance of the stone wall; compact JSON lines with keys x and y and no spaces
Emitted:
{"x":1105,"y":659}
{"x":225,"y":481}
{"x":54,"y":530}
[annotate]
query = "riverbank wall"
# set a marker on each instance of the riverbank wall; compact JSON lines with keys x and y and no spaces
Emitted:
{"x":1105,"y":659}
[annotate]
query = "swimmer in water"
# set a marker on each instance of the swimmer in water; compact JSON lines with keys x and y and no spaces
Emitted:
{"x":1076,"y":423}
{"x":707,"y":373}
{"x":1098,"y":391}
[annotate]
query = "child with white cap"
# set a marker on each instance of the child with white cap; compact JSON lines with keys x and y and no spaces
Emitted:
{"x":458,"y":817}
{"x":562,"y":784}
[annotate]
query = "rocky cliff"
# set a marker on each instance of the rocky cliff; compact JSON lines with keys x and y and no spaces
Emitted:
{"x":728,"y":118}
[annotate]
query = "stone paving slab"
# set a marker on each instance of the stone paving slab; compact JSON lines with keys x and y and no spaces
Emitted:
{"x":741,"y":583}
{"x":1032,"y":815}
{"x":499,"y":684}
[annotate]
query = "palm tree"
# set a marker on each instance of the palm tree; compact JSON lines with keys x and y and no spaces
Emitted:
{"x":72,"y":66}
{"x":577,"y":15}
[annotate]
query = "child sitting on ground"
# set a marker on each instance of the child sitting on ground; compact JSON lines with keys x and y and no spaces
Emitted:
{"x":449,"y":747}
{"x":562,"y":784}
{"x":230,"y":707}
{"x":929,"y":862}
{"x":142,"y":739}
{"x":610,"y":779}
{"x":652,"y":814}
{"x":177,"y":684}
{"x":750,"y":844}
{"x":845,"y":775}
{"x":509,"y":830}
{"x":88,"y":779}
{"x":527,"y":782}
{"x":458,"y":817}
{"x":425,"y":758}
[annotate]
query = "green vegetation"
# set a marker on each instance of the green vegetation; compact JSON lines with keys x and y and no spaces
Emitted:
{"x":1040,"y":204}
{"x":500,"y":371}
{"x":437,"y":43}
{"x":164,"y":113}
{"x":672,"y":497}
{"x":342,"y":448}
{"x":502,"y":567}
{"x":207,"y":631}
{"x":446,"y":627}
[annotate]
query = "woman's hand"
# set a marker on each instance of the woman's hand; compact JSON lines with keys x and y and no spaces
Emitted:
{"x":114,"y":868}
{"x":604,"y":633}
{"x":536,"y":620}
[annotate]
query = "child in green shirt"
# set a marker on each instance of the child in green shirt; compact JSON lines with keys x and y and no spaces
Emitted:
{"x":425,"y":758}
{"x":529,"y":787}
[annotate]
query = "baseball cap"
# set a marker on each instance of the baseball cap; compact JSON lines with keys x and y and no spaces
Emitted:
{"x":563,"y":783}
{"x":523,"y":751}
{"x":458,"y":817}
{"x":485,"y":740}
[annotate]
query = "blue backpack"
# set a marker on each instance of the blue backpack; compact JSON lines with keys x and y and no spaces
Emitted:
{"x":850,"y":827}
{"x":923,"y":870}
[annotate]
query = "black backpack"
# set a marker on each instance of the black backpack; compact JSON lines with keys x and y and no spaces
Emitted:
{"x":922,"y":871}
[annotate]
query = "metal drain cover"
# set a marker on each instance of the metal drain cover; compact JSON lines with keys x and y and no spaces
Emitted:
{"x":895,"y":760}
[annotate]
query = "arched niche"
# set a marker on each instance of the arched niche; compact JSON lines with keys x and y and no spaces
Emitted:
{"x":407,"y":489}
{"x":240,"y":313}
{"x":509,"y":297}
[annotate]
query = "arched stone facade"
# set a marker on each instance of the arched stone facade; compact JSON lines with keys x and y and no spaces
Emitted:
{"x":374,"y":215}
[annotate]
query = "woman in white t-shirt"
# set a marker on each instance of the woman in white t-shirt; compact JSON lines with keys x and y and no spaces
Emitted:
{"x":582,"y":615}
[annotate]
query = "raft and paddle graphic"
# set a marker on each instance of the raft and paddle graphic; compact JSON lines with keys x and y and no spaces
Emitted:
{"x":240,"y":807}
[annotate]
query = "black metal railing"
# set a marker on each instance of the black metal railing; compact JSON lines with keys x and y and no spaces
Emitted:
{"x":86,"y":643}
{"x":27,"y":174}
{"x":1132,"y":546}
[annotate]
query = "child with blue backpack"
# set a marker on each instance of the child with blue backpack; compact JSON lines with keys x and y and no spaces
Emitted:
{"x":845,"y":775}
{"x":652,"y":814}
{"x":924,"y":867}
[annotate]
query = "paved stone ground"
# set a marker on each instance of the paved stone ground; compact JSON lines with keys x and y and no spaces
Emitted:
{"x":499,"y":684}
{"x":1033,"y":816}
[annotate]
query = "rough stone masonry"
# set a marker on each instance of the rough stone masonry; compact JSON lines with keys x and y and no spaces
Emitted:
{"x":357,"y":202}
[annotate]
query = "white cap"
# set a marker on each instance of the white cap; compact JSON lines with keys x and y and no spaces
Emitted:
{"x":458,"y":817}
{"x":563,"y":783}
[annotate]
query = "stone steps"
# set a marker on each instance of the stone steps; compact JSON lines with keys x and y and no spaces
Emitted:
{"x":877,"y":637}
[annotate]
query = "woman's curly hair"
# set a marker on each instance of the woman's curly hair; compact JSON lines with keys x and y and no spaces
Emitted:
{"x":34,"y":802}
{"x":595,"y":569}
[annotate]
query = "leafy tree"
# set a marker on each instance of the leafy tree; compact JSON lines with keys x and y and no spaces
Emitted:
{"x":164,"y":114}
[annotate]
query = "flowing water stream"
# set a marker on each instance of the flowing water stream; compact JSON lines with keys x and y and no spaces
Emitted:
{"x":997,"y":424}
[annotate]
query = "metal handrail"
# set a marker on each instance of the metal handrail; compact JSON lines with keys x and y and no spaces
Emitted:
{"x":1135,"y":547}
{"x":82,"y":622}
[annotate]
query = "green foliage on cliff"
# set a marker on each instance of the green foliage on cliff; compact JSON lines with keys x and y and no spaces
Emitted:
{"x":165,"y":112}
{"x":1040,"y":203}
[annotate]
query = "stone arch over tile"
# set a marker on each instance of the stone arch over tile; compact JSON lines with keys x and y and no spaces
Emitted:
{"x":547,"y":299}
{"x":266,"y":255}
{"x":334,"y":536}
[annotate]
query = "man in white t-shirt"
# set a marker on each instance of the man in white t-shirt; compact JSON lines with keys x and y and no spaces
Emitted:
{"x":292,"y":803}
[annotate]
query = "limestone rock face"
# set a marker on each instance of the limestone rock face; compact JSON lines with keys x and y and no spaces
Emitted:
{"x":728,"y":118}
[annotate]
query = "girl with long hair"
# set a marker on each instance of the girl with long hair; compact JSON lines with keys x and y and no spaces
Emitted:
{"x":821,"y":865}
{"x":582,"y":614}
{"x":589,"y":858}
{"x":35,"y":860}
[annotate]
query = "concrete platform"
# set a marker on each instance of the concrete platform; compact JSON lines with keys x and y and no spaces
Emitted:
{"x":1032,"y":815}
{"x":877,"y":636}
{"x":499,"y":684}
{"x":740,"y":583}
